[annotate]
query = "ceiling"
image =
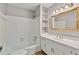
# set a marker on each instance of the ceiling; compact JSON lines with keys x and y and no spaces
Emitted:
{"x":29,"y":6}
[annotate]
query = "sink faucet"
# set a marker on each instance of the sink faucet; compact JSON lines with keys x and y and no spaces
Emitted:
{"x":59,"y":36}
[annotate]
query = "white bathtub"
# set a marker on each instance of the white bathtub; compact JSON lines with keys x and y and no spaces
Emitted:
{"x":25,"y":51}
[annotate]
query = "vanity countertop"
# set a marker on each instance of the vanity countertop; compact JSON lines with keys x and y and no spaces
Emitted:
{"x":65,"y":41}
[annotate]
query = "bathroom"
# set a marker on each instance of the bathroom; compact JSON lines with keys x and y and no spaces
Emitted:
{"x":39,"y":29}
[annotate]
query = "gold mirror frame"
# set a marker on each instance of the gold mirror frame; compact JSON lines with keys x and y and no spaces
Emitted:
{"x":77,"y":19}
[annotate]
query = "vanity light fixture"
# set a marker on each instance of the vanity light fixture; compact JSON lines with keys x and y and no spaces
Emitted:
{"x":62,"y":8}
{"x":57,"y":10}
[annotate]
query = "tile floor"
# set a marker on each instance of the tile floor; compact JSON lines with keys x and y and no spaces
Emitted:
{"x":40,"y":53}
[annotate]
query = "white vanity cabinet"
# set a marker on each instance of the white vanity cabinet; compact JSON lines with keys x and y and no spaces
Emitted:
{"x":51,"y":47}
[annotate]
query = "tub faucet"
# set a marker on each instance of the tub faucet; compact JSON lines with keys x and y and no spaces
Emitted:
{"x":35,"y":38}
{"x":1,"y":48}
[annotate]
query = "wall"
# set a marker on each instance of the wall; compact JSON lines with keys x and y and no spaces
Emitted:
{"x":19,"y":12}
{"x":54,"y":7}
{"x":2,"y":5}
{"x":2,"y":25}
{"x":37,"y":27}
{"x":37,"y":12}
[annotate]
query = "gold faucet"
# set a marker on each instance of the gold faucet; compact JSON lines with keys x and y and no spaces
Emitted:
{"x":59,"y":36}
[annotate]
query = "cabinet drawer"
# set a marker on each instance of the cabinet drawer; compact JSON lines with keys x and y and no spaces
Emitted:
{"x":67,"y":50}
{"x":61,"y":49}
{"x":70,"y":51}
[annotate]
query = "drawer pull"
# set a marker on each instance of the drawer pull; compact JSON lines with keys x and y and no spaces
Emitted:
{"x":52,"y":50}
{"x":71,"y":52}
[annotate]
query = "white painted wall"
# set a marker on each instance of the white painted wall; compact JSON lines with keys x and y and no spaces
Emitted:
{"x":2,"y":25}
{"x":19,"y":12}
{"x":37,"y":12}
{"x":37,"y":27}
{"x":54,"y":7}
{"x":2,"y":5}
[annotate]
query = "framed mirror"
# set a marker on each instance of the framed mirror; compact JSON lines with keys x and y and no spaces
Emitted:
{"x":67,"y":21}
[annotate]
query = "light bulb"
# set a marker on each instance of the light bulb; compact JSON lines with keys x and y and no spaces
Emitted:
{"x":61,"y":9}
{"x":66,"y":6}
{"x":57,"y":10}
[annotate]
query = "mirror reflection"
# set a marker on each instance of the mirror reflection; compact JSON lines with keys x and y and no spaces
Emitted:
{"x":64,"y":21}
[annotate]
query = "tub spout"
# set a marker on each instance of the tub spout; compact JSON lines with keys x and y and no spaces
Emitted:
{"x":1,"y":48}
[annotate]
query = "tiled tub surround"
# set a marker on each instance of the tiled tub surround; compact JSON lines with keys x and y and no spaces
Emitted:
{"x":18,"y":43}
{"x":29,"y":50}
{"x":17,"y":31}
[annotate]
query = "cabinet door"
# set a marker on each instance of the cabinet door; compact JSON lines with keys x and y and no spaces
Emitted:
{"x":50,"y":47}
{"x":60,"y":49}
{"x":54,"y":48}
{"x":43,"y":44}
{"x":75,"y":52}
